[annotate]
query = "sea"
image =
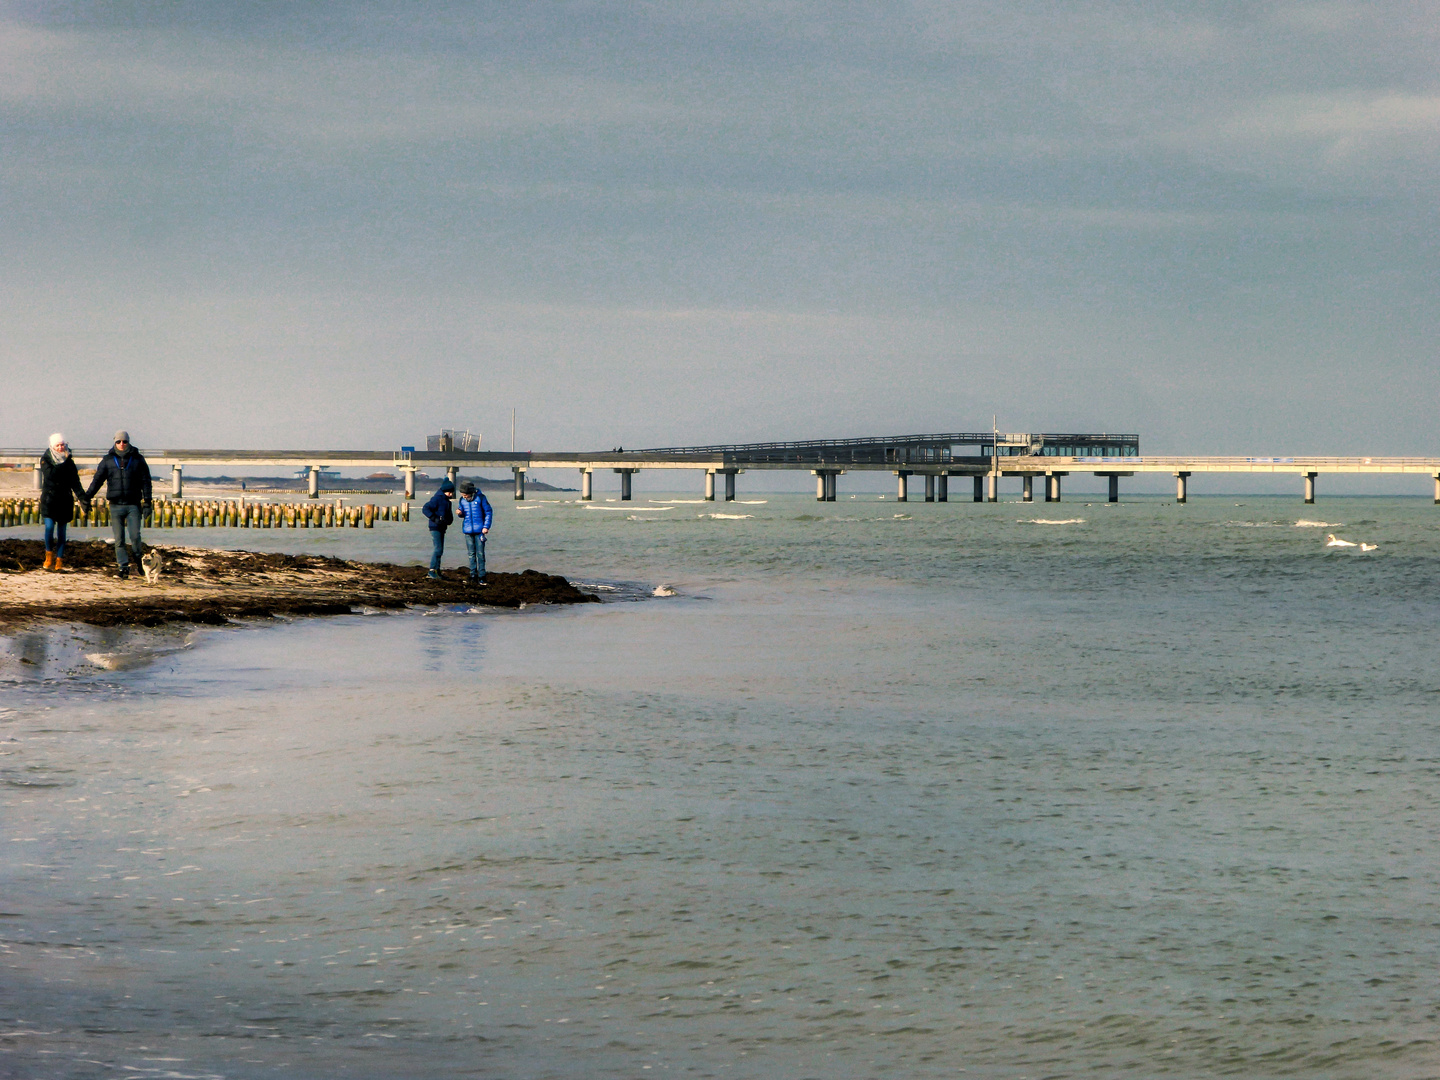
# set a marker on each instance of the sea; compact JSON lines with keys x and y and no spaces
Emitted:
{"x":829,"y":790}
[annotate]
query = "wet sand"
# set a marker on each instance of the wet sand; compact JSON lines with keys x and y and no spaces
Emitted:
{"x":205,"y":585}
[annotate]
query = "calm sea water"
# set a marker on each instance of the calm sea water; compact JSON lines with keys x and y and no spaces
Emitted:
{"x":909,"y":790}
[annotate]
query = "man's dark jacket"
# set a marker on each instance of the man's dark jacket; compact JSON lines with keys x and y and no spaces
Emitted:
{"x":126,"y":478}
{"x":59,"y":487}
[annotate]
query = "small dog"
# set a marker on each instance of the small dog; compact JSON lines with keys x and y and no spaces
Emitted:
{"x":152,"y":564}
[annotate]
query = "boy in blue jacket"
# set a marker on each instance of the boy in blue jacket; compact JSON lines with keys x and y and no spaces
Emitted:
{"x":475,"y":517}
{"x":440,"y":515}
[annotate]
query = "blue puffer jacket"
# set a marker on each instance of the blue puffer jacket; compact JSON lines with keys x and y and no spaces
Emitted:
{"x":475,"y":514}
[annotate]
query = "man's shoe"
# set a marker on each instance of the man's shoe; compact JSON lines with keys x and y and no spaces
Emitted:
{"x":124,"y":572}
{"x":433,"y":576}
{"x":49,"y":560}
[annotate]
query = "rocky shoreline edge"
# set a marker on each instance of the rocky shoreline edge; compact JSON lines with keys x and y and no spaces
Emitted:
{"x":211,"y":586}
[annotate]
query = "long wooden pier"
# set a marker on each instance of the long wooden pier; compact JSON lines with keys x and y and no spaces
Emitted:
{"x":983,"y":456}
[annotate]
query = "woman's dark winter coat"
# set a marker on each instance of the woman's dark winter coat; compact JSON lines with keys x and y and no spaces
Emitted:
{"x":59,"y":487}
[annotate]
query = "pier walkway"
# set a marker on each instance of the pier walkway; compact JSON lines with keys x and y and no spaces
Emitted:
{"x":985,"y":457}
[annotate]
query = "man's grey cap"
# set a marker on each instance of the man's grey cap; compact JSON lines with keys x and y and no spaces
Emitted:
{"x":122,"y":436}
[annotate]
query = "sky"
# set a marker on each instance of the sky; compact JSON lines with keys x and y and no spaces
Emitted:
{"x":648,"y":224}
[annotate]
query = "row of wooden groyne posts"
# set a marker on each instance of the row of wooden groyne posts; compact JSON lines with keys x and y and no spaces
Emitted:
{"x":222,"y":513}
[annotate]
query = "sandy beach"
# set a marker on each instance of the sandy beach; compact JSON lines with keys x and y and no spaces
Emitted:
{"x":206,"y":585}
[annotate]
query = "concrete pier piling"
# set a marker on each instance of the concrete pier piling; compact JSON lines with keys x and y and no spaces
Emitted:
{"x":177,"y":482}
{"x":586,"y":491}
{"x":409,"y":482}
{"x":625,"y":475}
{"x":1114,"y":489}
{"x":979,"y":489}
{"x":1310,"y":487}
{"x":1027,"y":489}
{"x":709,"y":485}
{"x":1436,"y":478}
{"x":730,"y":484}
{"x":1052,"y":486}
{"x":1180,"y":492}
{"x":314,"y":481}
{"x":519,"y":484}
{"x":902,"y":486}
{"x":942,"y":487}
{"x":929,"y":487}
{"x":992,"y":487}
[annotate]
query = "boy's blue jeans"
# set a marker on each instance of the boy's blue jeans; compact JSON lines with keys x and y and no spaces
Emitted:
{"x":55,"y":536}
{"x":437,"y":538}
{"x":475,"y":549}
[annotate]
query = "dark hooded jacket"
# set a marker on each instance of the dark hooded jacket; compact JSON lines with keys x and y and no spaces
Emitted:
{"x":59,"y":487}
{"x":126,"y":478}
{"x":438,"y":509}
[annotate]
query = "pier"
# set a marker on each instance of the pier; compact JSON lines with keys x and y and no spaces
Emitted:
{"x":985,"y":457}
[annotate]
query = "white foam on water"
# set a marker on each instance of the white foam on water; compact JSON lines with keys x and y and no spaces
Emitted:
{"x":903,"y":517}
{"x":684,"y":502}
{"x":758,"y":502}
{"x":729,"y":517}
{"x":1053,"y":521}
{"x":532,"y":506}
{"x":1306,"y":523}
{"x":663,"y":590}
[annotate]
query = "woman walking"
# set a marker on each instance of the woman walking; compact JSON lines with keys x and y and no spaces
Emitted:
{"x":59,"y":488}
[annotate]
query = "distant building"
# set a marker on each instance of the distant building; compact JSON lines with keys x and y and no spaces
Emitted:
{"x":325,"y":474}
{"x":450,"y":441}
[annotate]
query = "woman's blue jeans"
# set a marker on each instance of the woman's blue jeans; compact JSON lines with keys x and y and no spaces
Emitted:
{"x":475,"y":549}
{"x":55,"y":536}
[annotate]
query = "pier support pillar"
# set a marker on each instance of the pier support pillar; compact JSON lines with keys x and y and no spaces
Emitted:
{"x":1114,"y":489}
{"x":902,"y":487}
{"x":586,"y":494}
{"x":177,"y":483}
{"x":1052,"y":486}
{"x":942,"y":487}
{"x":314,"y":481}
{"x":1027,"y":489}
{"x":1180,"y":478}
{"x":832,"y":486}
{"x":929,"y":487}
{"x":1309,"y":487}
{"x":35,"y":480}
{"x":409,"y":483}
{"x":730,"y":484}
{"x":519,"y":484}
{"x":979,"y":489}
{"x":625,"y":475}
{"x":1437,"y":489}
{"x":709,"y":485}
{"x":992,"y":487}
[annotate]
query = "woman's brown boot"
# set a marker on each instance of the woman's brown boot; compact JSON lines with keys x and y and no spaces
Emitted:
{"x":59,"y":563}
{"x":49,"y":560}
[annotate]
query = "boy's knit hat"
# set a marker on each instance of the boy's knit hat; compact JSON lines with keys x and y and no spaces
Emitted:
{"x":448,"y":488}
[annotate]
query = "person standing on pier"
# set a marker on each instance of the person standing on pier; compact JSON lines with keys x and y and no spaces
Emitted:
{"x":126,"y":476}
{"x":476,"y":514}
{"x":438,"y":511}
{"x":59,"y":489}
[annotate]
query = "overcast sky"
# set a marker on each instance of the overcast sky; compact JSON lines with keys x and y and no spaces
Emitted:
{"x":304,"y":225}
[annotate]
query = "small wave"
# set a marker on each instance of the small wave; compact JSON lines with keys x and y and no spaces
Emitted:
{"x":902,"y":517}
{"x":1252,"y":524}
{"x":1306,"y":523}
{"x":684,"y":502}
{"x":728,"y":517}
{"x":532,"y":506}
{"x":663,"y":590}
{"x":629,"y":509}
{"x":752,"y":502}
{"x":1053,"y":521}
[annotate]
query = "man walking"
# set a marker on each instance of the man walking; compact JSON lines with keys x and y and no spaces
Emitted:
{"x":475,"y":517}
{"x":126,"y":476}
{"x":438,"y":511}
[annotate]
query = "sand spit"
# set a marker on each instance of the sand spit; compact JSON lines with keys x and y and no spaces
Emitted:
{"x":204,"y":585}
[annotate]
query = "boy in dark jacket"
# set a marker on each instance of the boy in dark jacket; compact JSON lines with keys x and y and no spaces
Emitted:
{"x":440,"y":515}
{"x":59,"y":488}
{"x":126,"y":476}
